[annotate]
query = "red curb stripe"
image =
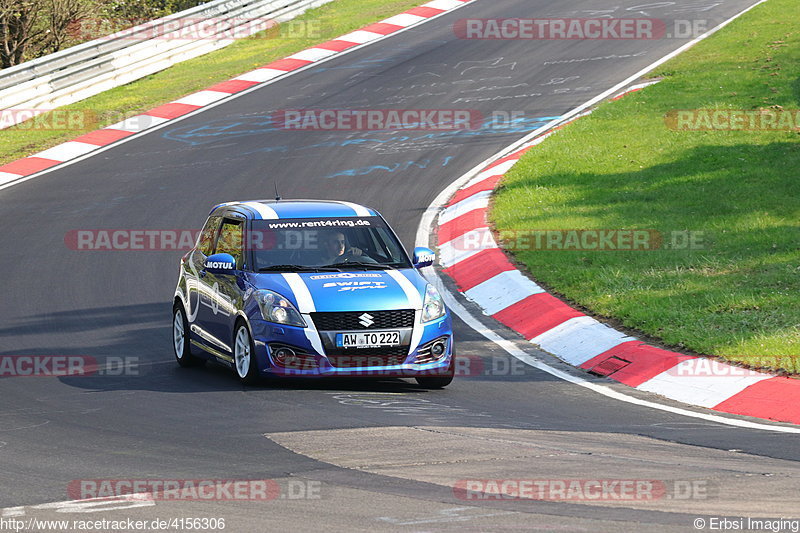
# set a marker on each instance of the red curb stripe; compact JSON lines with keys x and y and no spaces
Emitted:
{"x":478,"y":268}
{"x":424,"y":11}
{"x":28,"y":165}
{"x":646,"y":362}
{"x":103,"y":137}
{"x":486,"y":185}
{"x":336,"y":45}
{"x":460,"y":225}
{"x":288,"y":64}
{"x":536,"y":314}
{"x":232,"y":86}
{"x":627,"y":93}
{"x":172,"y":110}
{"x":382,"y":28}
{"x":776,"y":398}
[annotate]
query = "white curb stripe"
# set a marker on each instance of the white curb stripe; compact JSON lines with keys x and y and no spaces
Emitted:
{"x":476,"y":201}
{"x":502,"y":291}
{"x":137,"y":123}
{"x":682,"y":383}
{"x":443,"y":4}
{"x":360,"y":37}
{"x":313,"y":54}
{"x":579,"y":339}
{"x":66,"y":151}
{"x":403,"y":19}
{"x":261,"y":75}
{"x":499,"y":170}
{"x":202,"y":98}
{"x":465,"y":246}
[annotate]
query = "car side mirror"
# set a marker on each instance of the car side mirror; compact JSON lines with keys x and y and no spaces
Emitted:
{"x":423,"y":257}
{"x":220,"y":264}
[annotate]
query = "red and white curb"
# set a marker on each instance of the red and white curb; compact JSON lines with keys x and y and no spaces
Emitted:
{"x":86,"y":144}
{"x":483,"y":273}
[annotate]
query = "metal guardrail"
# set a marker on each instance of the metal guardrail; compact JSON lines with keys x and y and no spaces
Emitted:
{"x":90,"y":68}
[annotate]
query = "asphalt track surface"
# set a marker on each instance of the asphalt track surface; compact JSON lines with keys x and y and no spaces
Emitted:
{"x":385,"y":453}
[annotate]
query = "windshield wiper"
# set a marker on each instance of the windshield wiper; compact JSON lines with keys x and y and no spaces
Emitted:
{"x":365,"y":266}
{"x":299,"y":268}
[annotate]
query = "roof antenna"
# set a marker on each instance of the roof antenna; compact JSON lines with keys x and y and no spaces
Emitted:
{"x":277,"y":196}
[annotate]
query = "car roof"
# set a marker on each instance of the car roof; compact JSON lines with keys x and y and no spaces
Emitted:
{"x":283,"y":209}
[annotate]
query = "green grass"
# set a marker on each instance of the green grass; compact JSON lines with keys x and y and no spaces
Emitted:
{"x":329,"y":21}
{"x":737,"y":296}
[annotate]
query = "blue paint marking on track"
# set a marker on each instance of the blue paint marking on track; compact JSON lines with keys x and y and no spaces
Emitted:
{"x":245,"y":126}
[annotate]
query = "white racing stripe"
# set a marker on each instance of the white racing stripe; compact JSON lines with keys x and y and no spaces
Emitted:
{"x":360,"y":210}
{"x":415,"y":300}
{"x":261,"y":75}
{"x":305,"y":302}
{"x":266,"y":212}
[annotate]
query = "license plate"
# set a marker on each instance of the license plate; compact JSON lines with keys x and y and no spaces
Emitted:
{"x":369,"y":339}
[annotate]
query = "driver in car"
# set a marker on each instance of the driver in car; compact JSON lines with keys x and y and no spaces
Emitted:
{"x":335,"y":250}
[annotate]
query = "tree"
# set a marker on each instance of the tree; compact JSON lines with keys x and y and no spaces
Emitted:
{"x":33,"y":28}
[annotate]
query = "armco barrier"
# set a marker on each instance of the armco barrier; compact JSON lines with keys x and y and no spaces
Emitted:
{"x":90,"y":68}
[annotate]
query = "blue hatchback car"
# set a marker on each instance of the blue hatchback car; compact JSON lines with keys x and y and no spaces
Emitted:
{"x":310,"y":289}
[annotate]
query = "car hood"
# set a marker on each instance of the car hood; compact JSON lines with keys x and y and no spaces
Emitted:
{"x":372,"y":290}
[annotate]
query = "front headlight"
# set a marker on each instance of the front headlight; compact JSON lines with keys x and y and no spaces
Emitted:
{"x":276,"y":308}
{"x":433,"y":306}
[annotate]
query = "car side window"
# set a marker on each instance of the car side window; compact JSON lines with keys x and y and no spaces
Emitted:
{"x":206,"y":242}
{"x":231,"y":238}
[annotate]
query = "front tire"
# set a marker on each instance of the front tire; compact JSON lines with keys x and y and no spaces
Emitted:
{"x":180,"y":338}
{"x":244,"y":355}
{"x":439,"y":382}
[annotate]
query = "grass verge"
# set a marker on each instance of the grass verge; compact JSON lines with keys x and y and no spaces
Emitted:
{"x":327,"y":22}
{"x":734,"y":293}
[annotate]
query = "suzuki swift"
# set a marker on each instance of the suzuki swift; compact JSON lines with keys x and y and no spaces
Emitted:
{"x":309,"y":289}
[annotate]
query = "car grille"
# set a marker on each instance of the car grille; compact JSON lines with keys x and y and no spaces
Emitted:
{"x":350,"y":321}
{"x":370,"y":357}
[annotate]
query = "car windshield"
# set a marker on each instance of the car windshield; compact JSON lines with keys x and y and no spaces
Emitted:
{"x":353,"y":243}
